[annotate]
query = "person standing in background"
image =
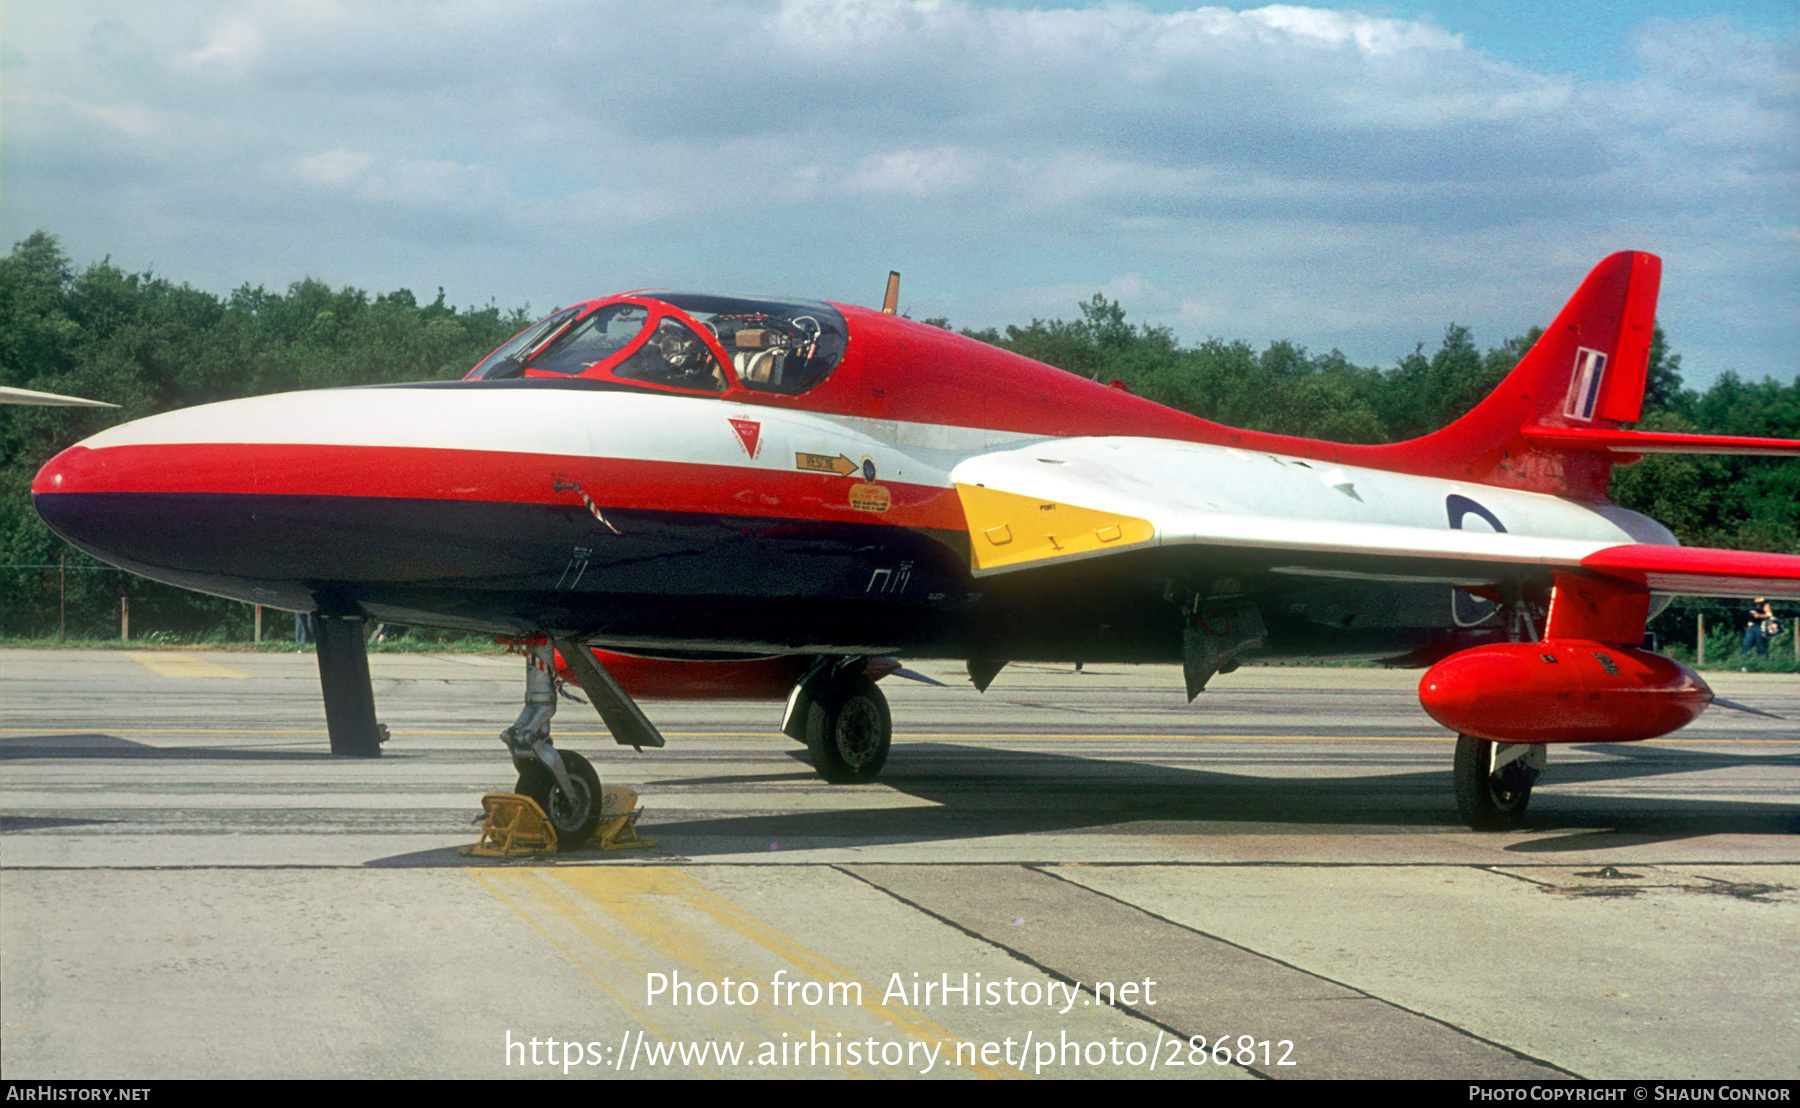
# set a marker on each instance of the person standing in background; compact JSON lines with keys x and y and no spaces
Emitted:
{"x":1756,"y":628}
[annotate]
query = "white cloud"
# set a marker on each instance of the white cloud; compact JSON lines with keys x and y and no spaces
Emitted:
{"x":1337,"y":28}
{"x":135,"y":120}
{"x":132,"y":119}
{"x":332,"y":167}
{"x":232,"y":45}
{"x":934,"y":172}
{"x":1319,"y":173}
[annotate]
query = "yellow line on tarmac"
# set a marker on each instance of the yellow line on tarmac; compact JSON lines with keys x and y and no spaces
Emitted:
{"x":1010,"y":735}
{"x":917,"y":736}
{"x":159,"y":731}
{"x":638,"y":919}
{"x":513,"y":889}
{"x":181,"y":665}
{"x":1447,"y":737}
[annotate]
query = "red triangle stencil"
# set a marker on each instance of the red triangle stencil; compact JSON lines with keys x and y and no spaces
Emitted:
{"x":749,"y":432}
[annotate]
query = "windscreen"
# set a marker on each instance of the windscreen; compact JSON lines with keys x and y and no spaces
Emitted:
{"x":505,"y":362}
{"x":783,"y":346}
{"x":592,"y":339}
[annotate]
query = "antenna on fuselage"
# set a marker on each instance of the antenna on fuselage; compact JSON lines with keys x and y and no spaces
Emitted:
{"x":890,"y":301}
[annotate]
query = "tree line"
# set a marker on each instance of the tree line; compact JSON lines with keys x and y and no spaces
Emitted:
{"x":149,"y":344}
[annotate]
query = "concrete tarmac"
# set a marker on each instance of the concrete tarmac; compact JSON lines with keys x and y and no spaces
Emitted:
{"x":1072,"y":875}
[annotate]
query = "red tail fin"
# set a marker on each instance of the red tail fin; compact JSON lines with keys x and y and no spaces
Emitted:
{"x":1586,"y":372}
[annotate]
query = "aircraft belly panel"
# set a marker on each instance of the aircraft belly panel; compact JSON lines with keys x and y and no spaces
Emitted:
{"x":508,"y":566}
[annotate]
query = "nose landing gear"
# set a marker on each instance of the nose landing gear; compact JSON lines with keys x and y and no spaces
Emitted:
{"x":564,"y":784}
{"x":571,"y":799}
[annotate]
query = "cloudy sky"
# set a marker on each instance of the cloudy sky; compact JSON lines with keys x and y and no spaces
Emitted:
{"x":1355,"y":177}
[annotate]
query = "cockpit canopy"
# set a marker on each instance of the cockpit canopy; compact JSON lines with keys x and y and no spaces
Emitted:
{"x":691,"y":342}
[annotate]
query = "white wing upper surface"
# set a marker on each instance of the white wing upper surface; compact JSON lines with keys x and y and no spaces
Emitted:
{"x":1061,"y":500}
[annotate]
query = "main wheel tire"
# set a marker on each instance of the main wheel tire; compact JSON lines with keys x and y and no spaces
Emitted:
{"x":849,"y":731}
{"x":1488,"y":802}
{"x":574,"y":817}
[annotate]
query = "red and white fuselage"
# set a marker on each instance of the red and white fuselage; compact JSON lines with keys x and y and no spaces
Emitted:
{"x":731,"y":521}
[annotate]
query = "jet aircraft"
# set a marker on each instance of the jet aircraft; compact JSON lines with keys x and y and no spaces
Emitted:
{"x":683,"y":494}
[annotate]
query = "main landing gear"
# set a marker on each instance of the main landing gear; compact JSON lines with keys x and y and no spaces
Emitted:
{"x":843,"y":719}
{"x":1494,"y":780}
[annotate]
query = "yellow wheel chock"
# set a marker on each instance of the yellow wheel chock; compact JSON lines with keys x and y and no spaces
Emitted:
{"x":618,"y":820}
{"x":516,"y":827}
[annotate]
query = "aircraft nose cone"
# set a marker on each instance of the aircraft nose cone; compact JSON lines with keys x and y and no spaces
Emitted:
{"x":64,"y":492}
{"x":135,"y":507}
{"x":80,"y":470}
{"x":408,"y":497}
{"x":279,"y":499}
{"x":191,"y":514}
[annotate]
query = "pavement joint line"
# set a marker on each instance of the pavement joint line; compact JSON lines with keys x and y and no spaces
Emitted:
{"x":1030,"y":961}
{"x":1500,"y":871}
{"x":914,"y":735}
{"x":1515,"y":1052}
{"x":687,"y":863}
{"x":598,"y":888}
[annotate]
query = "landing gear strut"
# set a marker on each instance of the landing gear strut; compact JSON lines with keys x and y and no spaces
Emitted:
{"x":1494,"y":780}
{"x":349,"y":695}
{"x":564,"y":784}
{"x":843,"y":719}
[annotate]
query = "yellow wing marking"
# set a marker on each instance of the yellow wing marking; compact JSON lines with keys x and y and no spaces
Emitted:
{"x":1007,"y":529}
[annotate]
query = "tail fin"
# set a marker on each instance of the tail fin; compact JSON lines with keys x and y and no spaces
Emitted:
{"x":1586,"y":373}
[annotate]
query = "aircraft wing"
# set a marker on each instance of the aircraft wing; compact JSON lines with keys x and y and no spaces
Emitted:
{"x":1064,"y":500}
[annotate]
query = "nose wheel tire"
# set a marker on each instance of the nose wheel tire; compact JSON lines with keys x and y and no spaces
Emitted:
{"x":1490,"y":801}
{"x":848,"y":732}
{"x":574,"y":817}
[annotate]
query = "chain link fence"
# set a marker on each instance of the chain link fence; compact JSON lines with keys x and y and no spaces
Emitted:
{"x":80,"y":600}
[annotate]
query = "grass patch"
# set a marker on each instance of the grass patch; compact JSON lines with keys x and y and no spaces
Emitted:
{"x":1723,"y":653}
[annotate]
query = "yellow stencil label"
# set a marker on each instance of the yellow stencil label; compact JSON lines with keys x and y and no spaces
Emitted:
{"x":865,"y":497}
{"x":826,"y":463}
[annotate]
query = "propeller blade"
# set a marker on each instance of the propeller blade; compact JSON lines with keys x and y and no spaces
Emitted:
{"x":1736,"y":707}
